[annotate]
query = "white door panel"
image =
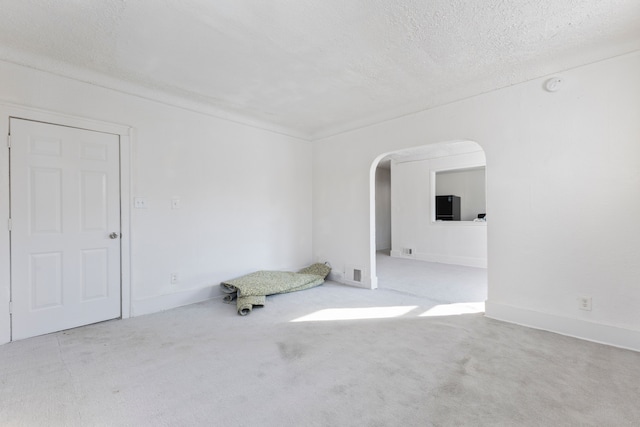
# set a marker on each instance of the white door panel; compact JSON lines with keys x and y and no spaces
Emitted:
{"x":65,"y":203}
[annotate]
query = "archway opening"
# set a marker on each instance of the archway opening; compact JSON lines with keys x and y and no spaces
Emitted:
{"x":414,"y":248}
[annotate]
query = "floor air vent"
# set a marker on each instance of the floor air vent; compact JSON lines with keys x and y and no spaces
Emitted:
{"x":355,"y":274}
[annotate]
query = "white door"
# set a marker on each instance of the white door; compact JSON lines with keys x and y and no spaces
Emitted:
{"x":65,"y":227}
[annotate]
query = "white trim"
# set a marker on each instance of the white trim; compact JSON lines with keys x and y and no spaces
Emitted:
{"x":365,"y":284}
{"x":373,"y":264}
{"x":450,"y":259}
{"x":8,"y":110}
{"x":126,"y":142}
{"x":443,"y":259}
{"x":612,"y":335}
{"x":84,"y":75}
{"x":36,"y":114}
{"x":178,"y":299}
{"x":365,"y":278}
{"x":5,"y":260}
{"x":458,"y":223}
{"x":397,"y":254}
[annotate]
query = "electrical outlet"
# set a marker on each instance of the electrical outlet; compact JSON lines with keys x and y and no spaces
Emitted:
{"x":174,"y":278}
{"x":584,"y":303}
{"x":140,"y":203}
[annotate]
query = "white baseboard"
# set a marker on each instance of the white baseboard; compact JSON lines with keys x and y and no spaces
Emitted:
{"x":362,"y":285}
{"x":366,"y":283}
{"x":444,"y":259}
{"x":597,"y":332}
{"x":334,"y":276}
{"x":178,"y":299}
{"x":451,"y":259}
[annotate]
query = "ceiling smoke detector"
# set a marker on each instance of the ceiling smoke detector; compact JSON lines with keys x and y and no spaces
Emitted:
{"x":553,"y":84}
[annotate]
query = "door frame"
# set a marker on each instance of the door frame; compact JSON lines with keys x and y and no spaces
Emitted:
{"x":8,"y":111}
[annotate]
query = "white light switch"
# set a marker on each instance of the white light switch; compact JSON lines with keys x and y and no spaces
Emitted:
{"x":175,"y":203}
{"x":140,"y":203}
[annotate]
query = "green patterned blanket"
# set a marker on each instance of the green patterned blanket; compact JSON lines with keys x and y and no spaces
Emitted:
{"x":252,"y":289}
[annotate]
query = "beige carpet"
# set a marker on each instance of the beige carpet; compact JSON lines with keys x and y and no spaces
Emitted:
{"x":437,"y":282}
{"x":203,"y":365}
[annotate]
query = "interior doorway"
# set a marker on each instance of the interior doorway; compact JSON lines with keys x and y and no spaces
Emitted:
{"x":65,"y":227}
{"x":447,"y":271}
{"x":383,"y":205}
{"x":65,"y":189}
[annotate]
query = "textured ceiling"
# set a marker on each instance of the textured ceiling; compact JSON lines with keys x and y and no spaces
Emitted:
{"x":312,"y":68}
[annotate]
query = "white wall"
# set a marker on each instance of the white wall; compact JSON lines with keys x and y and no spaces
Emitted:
{"x":413,"y":207}
{"x":563,"y":173}
{"x":469,"y":185}
{"x":383,"y":209}
{"x":245,"y":193}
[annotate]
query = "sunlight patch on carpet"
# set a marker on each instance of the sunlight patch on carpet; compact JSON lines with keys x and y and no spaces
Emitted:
{"x":355,"y":313}
{"x":454,"y":309}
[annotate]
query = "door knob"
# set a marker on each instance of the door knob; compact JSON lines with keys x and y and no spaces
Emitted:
{"x":113,"y":235}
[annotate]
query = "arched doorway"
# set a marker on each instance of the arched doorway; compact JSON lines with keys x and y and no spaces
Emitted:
{"x":447,"y":248}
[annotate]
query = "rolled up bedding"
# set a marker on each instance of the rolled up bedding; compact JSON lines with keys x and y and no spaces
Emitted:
{"x":246,"y":304}
{"x":251,"y":289}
